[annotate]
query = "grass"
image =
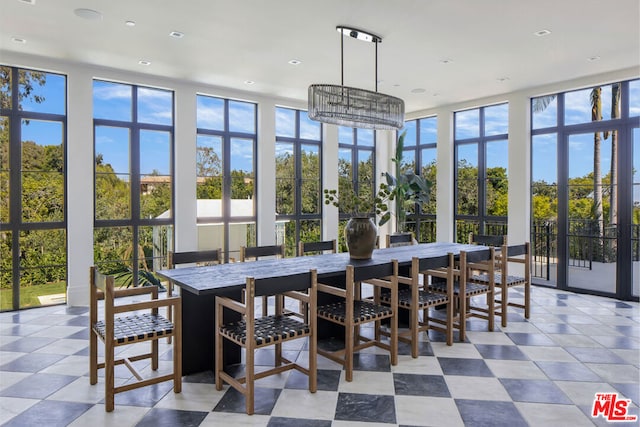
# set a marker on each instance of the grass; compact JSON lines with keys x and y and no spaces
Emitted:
{"x":29,"y":295}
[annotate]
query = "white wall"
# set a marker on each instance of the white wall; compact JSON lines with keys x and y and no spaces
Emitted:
{"x":80,"y":157}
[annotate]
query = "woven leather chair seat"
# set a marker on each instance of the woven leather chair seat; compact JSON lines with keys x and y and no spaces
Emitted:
{"x":425,"y":298}
{"x":471,"y":288}
{"x":268,"y":330}
{"x":137,"y":327}
{"x":363,"y":311}
{"x":511,"y":280}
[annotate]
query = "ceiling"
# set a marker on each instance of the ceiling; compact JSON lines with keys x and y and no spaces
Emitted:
{"x":434,"y":52}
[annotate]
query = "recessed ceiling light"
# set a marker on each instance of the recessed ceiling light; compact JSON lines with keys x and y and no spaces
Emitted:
{"x":176,"y":34}
{"x":31,"y":2}
{"x":295,"y":62}
{"x":436,"y":94}
{"x":418,"y":90}
{"x":542,"y":33}
{"x":446,"y":61}
{"x":144,"y":62}
{"x":18,"y":40}
{"x":502,"y":79}
{"x":130,"y":23}
{"x":593,"y":58}
{"x":90,"y":14}
{"x":396,"y":85}
{"x":249,"y":82}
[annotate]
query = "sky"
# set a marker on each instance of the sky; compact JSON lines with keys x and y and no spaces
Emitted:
{"x":113,"y":101}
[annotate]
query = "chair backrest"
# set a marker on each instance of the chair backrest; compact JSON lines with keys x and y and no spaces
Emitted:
{"x":487,"y":239}
{"x":304,"y":248}
{"x":261,"y":251}
{"x":199,"y":257}
{"x":517,"y":254}
{"x":400,"y":239}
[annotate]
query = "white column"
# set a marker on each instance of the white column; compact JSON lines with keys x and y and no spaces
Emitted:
{"x":329,"y":180}
{"x":519,"y":210}
{"x":79,"y":185}
{"x":445,"y":195}
{"x":185,"y":206}
{"x":266,"y":173}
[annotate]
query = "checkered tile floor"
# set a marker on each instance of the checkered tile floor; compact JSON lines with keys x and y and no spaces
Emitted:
{"x":541,"y":372}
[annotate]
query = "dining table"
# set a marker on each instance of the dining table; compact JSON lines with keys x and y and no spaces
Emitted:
{"x":199,"y":285}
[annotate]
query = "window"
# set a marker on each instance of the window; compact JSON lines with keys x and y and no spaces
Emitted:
{"x":298,"y":179}
{"x":133,"y":147}
{"x":33,"y":226}
{"x":225,"y":169}
{"x":420,"y":156}
{"x":481,"y":171}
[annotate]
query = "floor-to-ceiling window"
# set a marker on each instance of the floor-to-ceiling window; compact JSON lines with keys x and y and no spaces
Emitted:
{"x":225,"y":173}
{"x":33,"y":217}
{"x":298,"y":179}
{"x":585,"y":206}
{"x":481,"y":171}
{"x":133,"y":148}
{"x":356,"y":170}
{"x":419,"y":155}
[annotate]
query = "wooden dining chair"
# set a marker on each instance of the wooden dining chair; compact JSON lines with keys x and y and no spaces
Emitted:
{"x":515,"y":254}
{"x":351,"y":312}
{"x":198,"y":258}
{"x":487,"y":240}
{"x":401,"y":239}
{"x":315,"y":248}
{"x":416,"y":298}
{"x":256,"y":252}
{"x":253,"y":333}
{"x":465,"y":291}
{"x":130,"y":323}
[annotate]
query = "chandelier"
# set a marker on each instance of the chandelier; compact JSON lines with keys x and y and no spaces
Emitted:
{"x":354,"y":107}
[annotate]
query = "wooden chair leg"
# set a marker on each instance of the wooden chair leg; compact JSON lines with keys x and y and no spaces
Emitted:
{"x":109,"y":365}
{"x":504,"y":304}
{"x":250,"y":378}
{"x":154,"y":355}
{"x":348,"y":362}
{"x":219,"y":361}
{"x":93,"y":358}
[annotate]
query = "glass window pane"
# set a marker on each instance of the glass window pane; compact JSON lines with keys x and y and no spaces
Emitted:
{"x":310,"y":202}
{"x":309,"y":129}
{"x":544,"y":158}
{"x":112,"y":101}
{"x":155,"y":152}
{"x":43,"y":262}
{"x":242,"y":117}
{"x":112,"y":148}
{"x":6,"y":275}
{"x":210,"y":112}
{"x":410,"y":137}
{"x":208,"y":156}
{"x":467,"y":182}
{"x":285,"y":122}
{"x":242,"y":178}
{"x":211,"y":236}
{"x":365,"y":166}
{"x":497,"y":153}
{"x":47,"y":92}
{"x":429,"y":172}
{"x":365,"y":137}
{"x":311,"y":193}
{"x":429,"y":130}
{"x":467,"y":124}
{"x":112,"y":249}
{"x":285,"y":179}
{"x":496,"y":120}
{"x":634,"y":98}
{"x":408,"y":160}
{"x":345,"y":168}
{"x":5,"y":87}
{"x":42,"y":145}
{"x":155,"y":242}
{"x":155,"y":106}
{"x":4,"y":168}
{"x":579,"y":104}
{"x":155,"y":174}
{"x":42,"y":196}
{"x":345,"y":135}
{"x":544,"y":111}
{"x":241,"y":234}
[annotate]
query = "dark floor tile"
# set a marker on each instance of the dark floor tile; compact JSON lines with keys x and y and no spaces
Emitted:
{"x":50,"y":413}
{"x":206,"y":377}
{"x":297,"y":422}
{"x":366,"y":408}
{"x":488,"y":413}
{"x":233,"y":401}
{"x":32,"y":362}
{"x":460,"y":366}
{"x":77,"y":310}
{"x":160,"y":417}
{"x":38,"y":386}
{"x":144,"y":396}
{"x":504,"y":352}
{"x":371,"y":362}
{"x":594,"y":355}
{"x":420,"y":385}
{"x":629,"y":391}
{"x":267,"y":357}
{"x":27,"y":344}
{"x":535,"y":391}
{"x":618,"y":342}
{"x":328,"y":380}
{"x":521,"y":338}
{"x":424,"y":348}
{"x":568,"y":371}
{"x":628,"y":330}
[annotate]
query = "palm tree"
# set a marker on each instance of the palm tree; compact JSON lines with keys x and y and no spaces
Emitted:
{"x":613,"y":195}
{"x":596,"y":115}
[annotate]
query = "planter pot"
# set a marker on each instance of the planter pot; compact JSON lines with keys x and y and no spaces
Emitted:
{"x":360,"y":234}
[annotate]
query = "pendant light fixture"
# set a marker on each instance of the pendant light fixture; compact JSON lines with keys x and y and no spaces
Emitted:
{"x":354,"y":107}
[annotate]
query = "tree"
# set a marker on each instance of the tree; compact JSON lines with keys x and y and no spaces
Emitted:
{"x":596,"y":115}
